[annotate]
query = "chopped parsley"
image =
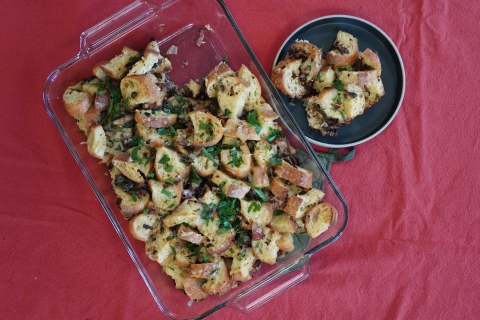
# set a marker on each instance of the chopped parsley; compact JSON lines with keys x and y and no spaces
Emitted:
{"x":252,"y":120}
{"x":207,"y":154}
{"x":205,"y":126}
{"x":164,"y":159}
{"x":275,"y":161}
{"x":167,"y":193}
{"x":337,"y":84}
{"x":254,"y":206}
{"x":170,"y":131}
{"x":260,"y":194}
{"x":236,"y":160}
{"x":194,"y":177}
{"x":273,"y":134}
{"x":320,"y":76}
{"x":337,"y":99}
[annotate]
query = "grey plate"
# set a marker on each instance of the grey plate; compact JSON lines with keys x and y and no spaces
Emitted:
{"x":322,"y":32}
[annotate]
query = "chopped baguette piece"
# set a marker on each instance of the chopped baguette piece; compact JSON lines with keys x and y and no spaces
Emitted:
{"x":166,"y":196}
{"x":190,"y":235}
{"x":142,"y":89}
{"x":236,"y":161}
{"x":353,"y":101}
{"x":221,"y":283}
{"x":324,"y":79}
{"x":177,"y":273}
{"x":357,"y":77}
{"x":163,"y":66}
{"x":297,"y":206}
{"x":149,"y":59}
{"x":267,"y":119}
{"x":344,"y":50}
{"x":256,"y":212}
{"x":255,"y":93}
{"x":209,"y":197}
{"x":283,"y":223}
{"x":298,"y":176}
{"x":98,"y":71}
{"x":157,"y":246}
{"x":117,"y":68}
{"x":97,"y":142}
{"x":213,"y":79}
{"x":90,"y":86}
{"x":263,"y":152}
{"x":89,"y":119}
{"x":151,"y":135}
{"x":220,"y":242}
{"x":279,"y":189}
{"x":155,"y":119}
{"x":260,"y":177}
{"x":207,"y":129}
{"x":193,"y":289}
{"x":241,"y":130}
{"x":319,"y":218}
{"x":311,"y":57}
{"x":131,"y":204}
{"x":142,"y":225}
{"x":232,"y":96}
{"x":205,"y":167}
{"x":182,"y":256}
{"x":233,"y":188}
{"x":75,"y":101}
{"x":188,"y":212}
{"x":192,"y":88}
{"x":286,"y":78}
{"x":243,"y":263}
{"x":133,"y":163}
{"x":266,"y":248}
{"x":373,"y":91}
{"x":286,"y":242}
{"x":204,"y":270}
{"x":169,"y":166}
{"x":371,"y":60}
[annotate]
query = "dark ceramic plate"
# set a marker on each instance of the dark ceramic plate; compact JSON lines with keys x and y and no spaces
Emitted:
{"x":322,"y":32}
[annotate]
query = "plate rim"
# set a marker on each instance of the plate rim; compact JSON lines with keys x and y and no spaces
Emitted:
{"x":399,"y":57}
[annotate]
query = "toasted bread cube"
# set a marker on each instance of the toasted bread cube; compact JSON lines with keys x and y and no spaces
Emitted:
{"x":371,"y":60}
{"x":221,"y":283}
{"x":117,"y":67}
{"x":233,"y":188}
{"x":142,"y":225}
{"x":142,"y":89}
{"x":286,"y":242}
{"x":204,"y":270}
{"x":149,"y":59}
{"x":155,"y":119}
{"x":98,"y":71}
{"x":297,"y":206}
{"x":238,"y":151}
{"x":324,"y":79}
{"x":188,"y":212}
{"x":260,"y":177}
{"x":232,"y":96}
{"x":345,"y":50}
{"x":299,"y":176}
{"x":209,"y":198}
{"x":135,"y":164}
{"x":177,"y":273}
{"x":311,"y":57}
{"x":373,"y":91}
{"x":319,"y":218}
{"x":190,"y":235}
{"x":255,"y":93}
{"x":279,"y":189}
{"x":97,"y":142}
{"x":283,"y":223}
{"x":353,"y":101}
{"x":152,"y":137}
{"x":220,"y":242}
{"x":181,"y":255}
{"x":266,"y":248}
{"x":207,"y":129}
{"x":243,"y":263}
{"x":254,"y":212}
{"x":241,"y":130}
{"x":205,"y":167}
{"x":357,"y":77}
{"x":169,"y":166}
{"x":215,"y":76}
{"x":263,"y":152}
{"x":129,"y":204}
{"x":193,"y":289}
{"x":89,"y":119}
{"x":166,"y":196}
{"x":157,"y":246}
{"x":286,"y":77}
{"x":75,"y":101}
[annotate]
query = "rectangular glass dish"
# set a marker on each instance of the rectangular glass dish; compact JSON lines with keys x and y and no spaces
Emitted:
{"x":177,"y":22}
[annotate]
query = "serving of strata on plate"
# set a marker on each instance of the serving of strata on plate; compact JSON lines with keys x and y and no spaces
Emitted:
{"x":202,"y":172}
{"x":335,"y":86}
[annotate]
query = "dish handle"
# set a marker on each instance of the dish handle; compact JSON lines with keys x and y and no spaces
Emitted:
{"x":110,"y":28}
{"x":286,"y":278}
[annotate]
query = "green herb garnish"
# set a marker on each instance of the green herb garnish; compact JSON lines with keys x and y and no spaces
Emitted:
{"x":252,"y":120}
{"x":167,"y":193}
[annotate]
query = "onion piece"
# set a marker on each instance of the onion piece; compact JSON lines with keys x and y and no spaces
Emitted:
{"x":172,"y":50}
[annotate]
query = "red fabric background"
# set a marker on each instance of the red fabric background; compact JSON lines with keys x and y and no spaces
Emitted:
{"x":411,"y":249}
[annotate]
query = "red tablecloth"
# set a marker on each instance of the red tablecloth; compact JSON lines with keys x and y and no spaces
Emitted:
{"x":411,"y":249}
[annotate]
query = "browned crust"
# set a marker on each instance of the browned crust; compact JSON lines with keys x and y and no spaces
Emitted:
{"x":154,"y":121}
{"x":372,"y":60}
{"x":319,"y":218}
{"x":278,"y":77}
{"x":279,"y":189}
{"x":237,"y":191}
{"x":193,"y":289}
{"x":294,"y":175}
{"x":293,"y":205}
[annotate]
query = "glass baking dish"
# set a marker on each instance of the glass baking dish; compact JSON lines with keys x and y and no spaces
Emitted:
{"x":177,"y":22}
